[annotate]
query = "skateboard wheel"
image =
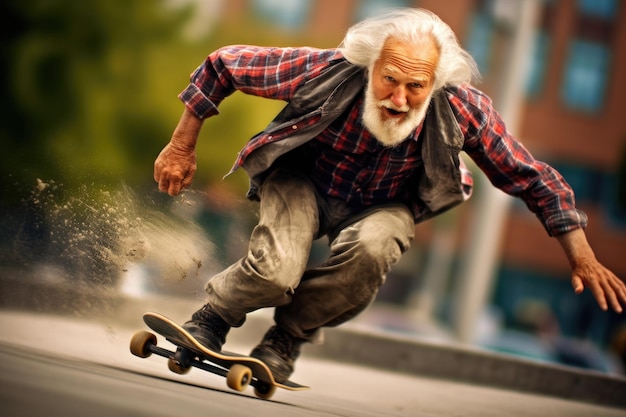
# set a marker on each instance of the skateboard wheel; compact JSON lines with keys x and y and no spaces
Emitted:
{"x":238,"y":377}
{"x":177,"y":367}
{"x":264,"y":391}
{"x":141,"y":342}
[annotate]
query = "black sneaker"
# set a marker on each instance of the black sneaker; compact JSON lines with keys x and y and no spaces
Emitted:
{"x":279,"y":351}
{"x":208,"y":328}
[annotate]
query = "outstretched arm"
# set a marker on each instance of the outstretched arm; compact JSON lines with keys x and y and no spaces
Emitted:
{"x":588,"y":272}
{"x":175,"y":166}
{"x":511,"y":168}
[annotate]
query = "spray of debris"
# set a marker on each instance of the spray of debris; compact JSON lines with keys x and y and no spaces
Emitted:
{"x":106,"y":237}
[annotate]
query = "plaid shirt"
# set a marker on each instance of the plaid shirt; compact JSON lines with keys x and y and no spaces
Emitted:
{"x":351,"y":164}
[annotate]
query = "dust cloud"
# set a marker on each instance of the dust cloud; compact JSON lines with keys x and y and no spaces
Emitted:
{"x":112,"y":237}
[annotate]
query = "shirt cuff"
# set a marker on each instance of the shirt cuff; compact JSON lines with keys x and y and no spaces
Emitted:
{"x":565,"y":222}
{"x":197,"y":102}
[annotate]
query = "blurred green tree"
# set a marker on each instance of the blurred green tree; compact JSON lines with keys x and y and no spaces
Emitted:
{"x":89,"y":91}
{"x":76,"y":98}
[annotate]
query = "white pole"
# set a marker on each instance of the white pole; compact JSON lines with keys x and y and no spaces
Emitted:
{"x":478,"y":269}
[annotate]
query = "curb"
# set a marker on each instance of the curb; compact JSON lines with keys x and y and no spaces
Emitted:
{"x":471,"y":366}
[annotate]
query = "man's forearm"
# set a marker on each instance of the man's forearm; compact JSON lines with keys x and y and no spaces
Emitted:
{"x":186,"y":133}
{"x":576,"y":247}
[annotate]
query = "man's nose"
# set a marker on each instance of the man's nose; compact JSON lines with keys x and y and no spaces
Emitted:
{"x":398,"y":97}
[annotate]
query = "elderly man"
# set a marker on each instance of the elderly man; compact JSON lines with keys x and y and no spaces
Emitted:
{"x":367,"y":146}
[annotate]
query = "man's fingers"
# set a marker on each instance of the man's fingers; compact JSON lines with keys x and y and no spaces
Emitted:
{"x":164,"y":183}
{"x":593,"y":286}
{"x":606,"y":287}
{"x":599,"y":295}
{"x":172,"y":182}
{"x":621,"y":289}
{"x":186,"y":183}
{"x":615,"y":294}
{"x":617,"y":307}
{"x":188,"y":178}
{"x":174,"y":189}
{"x":577,"y":284}
{"x":611,"y":296}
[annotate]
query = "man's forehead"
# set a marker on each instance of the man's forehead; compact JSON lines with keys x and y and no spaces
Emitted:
{"x":409,"y":58}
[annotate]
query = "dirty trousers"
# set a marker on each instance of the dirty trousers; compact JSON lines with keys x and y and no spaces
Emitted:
{"x":274,"y":272}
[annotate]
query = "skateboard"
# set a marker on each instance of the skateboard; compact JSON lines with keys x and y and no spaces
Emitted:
{"x":239,"y":370}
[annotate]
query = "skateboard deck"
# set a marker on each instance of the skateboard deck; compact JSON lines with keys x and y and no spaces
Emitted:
{"x":239,"y":370}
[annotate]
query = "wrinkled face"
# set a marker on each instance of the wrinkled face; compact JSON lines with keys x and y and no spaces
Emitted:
{"x":399,"y":89}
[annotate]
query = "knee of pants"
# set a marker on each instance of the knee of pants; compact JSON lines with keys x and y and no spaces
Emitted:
{"x":382,"y":251}
{"x":276,"y":265}
{"x":370,"y":248}
{"x":373,"y":262}
{"x":354,"y":273}
{"x":382,"y":239}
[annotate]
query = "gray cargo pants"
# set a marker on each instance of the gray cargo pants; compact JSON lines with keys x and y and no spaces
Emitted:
{"x":363,"y":247}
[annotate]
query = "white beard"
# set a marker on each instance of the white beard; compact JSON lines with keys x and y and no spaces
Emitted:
{"x":390,"y":132}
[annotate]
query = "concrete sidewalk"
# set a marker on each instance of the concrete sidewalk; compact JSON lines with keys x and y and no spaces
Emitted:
{"x":349,"y":343}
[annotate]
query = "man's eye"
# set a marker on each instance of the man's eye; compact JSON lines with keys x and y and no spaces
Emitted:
{"x":389,"y":78}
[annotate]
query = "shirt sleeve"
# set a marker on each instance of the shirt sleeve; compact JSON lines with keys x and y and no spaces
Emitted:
{"x":510,"y":167}
{"x":274,"y":73}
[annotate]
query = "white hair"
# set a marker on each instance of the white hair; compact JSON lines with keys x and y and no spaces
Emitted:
{"x":364,"y":41}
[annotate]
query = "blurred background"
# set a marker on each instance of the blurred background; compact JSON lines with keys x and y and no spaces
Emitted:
{"x":89,"y":98}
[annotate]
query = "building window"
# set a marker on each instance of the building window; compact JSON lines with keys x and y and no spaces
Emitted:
{"x":605,"y":9}
{"x":480,"y":38}
{"x":289,"y":14}
{"x":586,"y":73}
{"x":587,"y":69}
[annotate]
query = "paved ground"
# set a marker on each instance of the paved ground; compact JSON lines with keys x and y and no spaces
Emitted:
{"x":447,"y":377}
{"x":58,"y":365}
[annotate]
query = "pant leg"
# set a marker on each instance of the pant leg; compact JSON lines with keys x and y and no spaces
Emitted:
{"x":278,"y":251}
{"x":361,"y":256}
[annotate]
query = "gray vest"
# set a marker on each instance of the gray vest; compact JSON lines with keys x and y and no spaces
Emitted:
{"x":327,"y":96}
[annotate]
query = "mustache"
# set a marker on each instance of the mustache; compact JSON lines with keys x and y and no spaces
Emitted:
{"x":388,"y":104}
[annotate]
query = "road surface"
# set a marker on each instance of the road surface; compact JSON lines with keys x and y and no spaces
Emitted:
{"x":54,"y":365}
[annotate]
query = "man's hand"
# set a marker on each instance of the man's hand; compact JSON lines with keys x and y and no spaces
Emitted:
{"x":175,"y":166}
{"x":588,"y":272}
{"x":174,"y":169}
{"x":607,"y":288}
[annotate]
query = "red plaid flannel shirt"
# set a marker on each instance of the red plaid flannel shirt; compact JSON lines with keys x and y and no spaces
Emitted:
{"x":352,"y":165}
